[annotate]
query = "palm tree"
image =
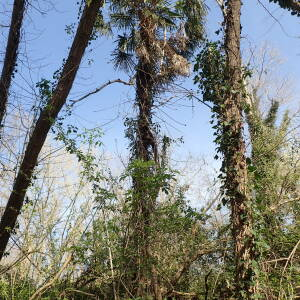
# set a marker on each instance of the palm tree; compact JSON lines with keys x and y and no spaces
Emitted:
{"x":157,"y":41}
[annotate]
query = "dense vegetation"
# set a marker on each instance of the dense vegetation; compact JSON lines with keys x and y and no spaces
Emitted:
{"x":74,"y":227}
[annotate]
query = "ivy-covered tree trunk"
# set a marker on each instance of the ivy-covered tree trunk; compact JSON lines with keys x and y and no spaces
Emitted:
{"x":145,"y":151}
{"x":45,"y":121}
{"x":234,"y":164}
{"x":11,"y":54}
{"x":157,"y":42}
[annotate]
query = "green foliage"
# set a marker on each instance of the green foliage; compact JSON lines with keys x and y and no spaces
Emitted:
{"x":12,"y":288}
{"x":46,"y":88}
{"x":175,"y":233}
{"x":210,"y":68}
{"x":89,"y":137}
{"x":270,"y":175}
{"x":160,"y":179}
{"x":146,"y":207}
{"x":183,"y":20}
{"x":211,"y":77}
{"x":273,"y":183}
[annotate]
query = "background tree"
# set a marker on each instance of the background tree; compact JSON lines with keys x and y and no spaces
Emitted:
{"x":47,"y":116}
{"x":11,"y":54}
{"x":221,"y":80}
{"x":274,"y":178}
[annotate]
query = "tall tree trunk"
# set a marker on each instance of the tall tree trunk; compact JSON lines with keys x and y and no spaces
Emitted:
{"x":145,"y":150}
{"x":11,"y":54}
{"x":234,"y":157}
{"x":45,"y":121}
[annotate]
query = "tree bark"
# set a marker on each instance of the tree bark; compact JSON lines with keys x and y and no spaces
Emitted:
{"x":234,"y":163}
{"x":11,"y":54}
{"x":145,"y":150}
{"x":45,"y":121}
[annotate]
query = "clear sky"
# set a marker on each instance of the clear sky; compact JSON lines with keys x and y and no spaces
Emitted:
{"x":46,"y":46}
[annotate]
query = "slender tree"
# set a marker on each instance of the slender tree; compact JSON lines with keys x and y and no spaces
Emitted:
{"x":221,"y":80}
{"x":234,"y":164}
{"x":11,"y":54}
{"x":46,"y":120}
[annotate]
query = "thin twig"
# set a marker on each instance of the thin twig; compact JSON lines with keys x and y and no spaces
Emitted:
{"x":290,"y":258}
{"x":190,"y":93}
{"x":276,"y":260}
{"x":275,"y":207}
{"x":276,"y":20}
{"x":81,"y":292}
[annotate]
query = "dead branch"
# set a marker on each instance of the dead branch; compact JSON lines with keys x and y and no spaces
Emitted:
{"x":191,"y":258}
{"x":275,"y":207}
{"x":97,"y":90}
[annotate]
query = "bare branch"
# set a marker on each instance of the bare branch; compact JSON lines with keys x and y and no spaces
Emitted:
{"x":100,"y":88}
{"x":212,"y":248}
{"x":275,"y":207}
{"x":191,"y":94}
{"x":276,"y":20}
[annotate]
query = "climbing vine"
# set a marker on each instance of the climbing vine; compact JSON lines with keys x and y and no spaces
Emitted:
{"x":210,"y":68}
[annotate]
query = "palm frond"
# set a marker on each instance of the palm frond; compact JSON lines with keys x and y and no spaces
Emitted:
{"x":122,"y":21}
{"x":123,"y":61}
{"x":194,"y":12}
{"x":102,"y":26}
{"x":118,"y":6}
{"x":126,"y":42}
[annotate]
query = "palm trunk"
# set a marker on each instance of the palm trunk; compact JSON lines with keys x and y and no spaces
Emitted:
{"x":45,"y":121}
{"x":234,"y":157}
{"x":11,"y":54}
{"x":145,"y":150}
{"x":145,"y":197}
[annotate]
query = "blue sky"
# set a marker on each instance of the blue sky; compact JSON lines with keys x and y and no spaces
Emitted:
{"x":46,"y":46}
